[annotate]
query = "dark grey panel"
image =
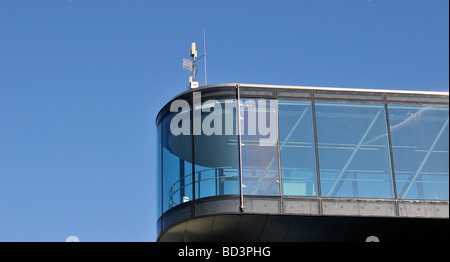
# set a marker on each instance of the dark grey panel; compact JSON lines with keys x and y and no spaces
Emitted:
{"x":358,"y":96}
{"x":301,"y":206}
{"x":199,"y":230}
{"x":225,"y":92}
{"x":257,"y":92}
{"x":174,"y":234}
{"x":263,"y":205}
{"x":176,"y":215}
{"x":417,"y":98}
{"x":423,"y":209}
{"x":217,"y":205}
{"x":244,"y":228}
{"x":289,"y":93}
{"x":353,"y":207}
{"x":159,"y":226}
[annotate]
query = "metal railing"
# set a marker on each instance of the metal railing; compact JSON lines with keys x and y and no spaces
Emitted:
{"x":174,"y":189}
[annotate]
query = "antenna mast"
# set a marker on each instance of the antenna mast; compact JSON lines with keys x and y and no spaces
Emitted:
{"x":193,"y":54}
{"x":204,"y":52}
{"x":192,"y":67}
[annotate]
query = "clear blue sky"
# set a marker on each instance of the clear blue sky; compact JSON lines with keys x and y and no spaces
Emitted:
{"x":81,"y":82}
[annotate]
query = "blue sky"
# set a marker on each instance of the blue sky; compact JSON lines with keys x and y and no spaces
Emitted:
{"x":81,"y":82}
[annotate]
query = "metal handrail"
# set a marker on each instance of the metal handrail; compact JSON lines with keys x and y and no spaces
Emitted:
{"x":173,"y":191}
{"x":295,"y":179}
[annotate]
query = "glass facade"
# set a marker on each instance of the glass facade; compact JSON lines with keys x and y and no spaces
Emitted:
{"x":343,"y":145}
{"x":353,"y":149}
{"x":177,"y":166}
{"x":159,"y":195}
{"x":260,"y":151}
{"x":216,"y":149}
{"x":297,"y":148}
{"x":420,"y":148}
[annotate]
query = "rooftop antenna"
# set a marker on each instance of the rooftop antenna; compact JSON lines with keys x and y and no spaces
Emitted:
{"x":191,"y":66}
{"x":204,"y":52}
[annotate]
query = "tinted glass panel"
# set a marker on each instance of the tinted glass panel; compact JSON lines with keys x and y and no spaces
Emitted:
{"x":177,"y":166}
{"x":297,"y":148}
{"x":260,"y":153}
{"x":216,"y":148}
{"x":159,"y":174}
{"x":419,"y":136}
{"x":354,"y":158}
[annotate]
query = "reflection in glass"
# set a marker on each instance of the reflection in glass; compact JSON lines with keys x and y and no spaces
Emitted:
{"x":420,"y":147}
{"x":216,"y":149}
{"x":260,"y":153}
{"x":158,"y":171}
{"x":177,"y":166}
{"x":352,"y":142}
{"x":353,"y":149}
{"x":297,"y":149}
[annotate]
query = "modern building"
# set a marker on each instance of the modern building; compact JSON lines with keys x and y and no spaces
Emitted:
{"x":243,"y":162}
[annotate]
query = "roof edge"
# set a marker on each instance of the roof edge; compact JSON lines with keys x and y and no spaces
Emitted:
{"x":326,"y":88}
{"x":245,"y":85}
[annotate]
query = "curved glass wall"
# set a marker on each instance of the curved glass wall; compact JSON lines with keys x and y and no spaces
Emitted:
{"x":158,"y":171}
{"x":176,"y":165}
{"x":339,"y":146}
{"x":216,"y":148}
